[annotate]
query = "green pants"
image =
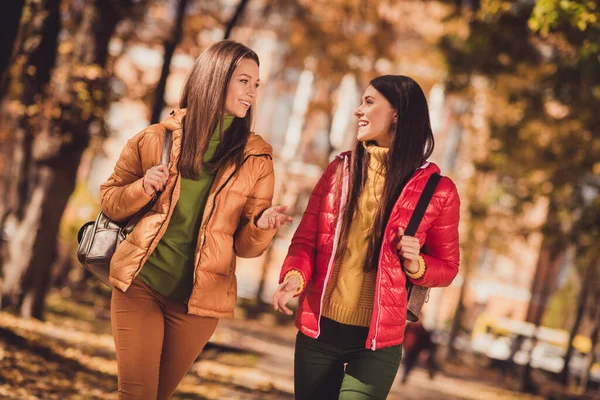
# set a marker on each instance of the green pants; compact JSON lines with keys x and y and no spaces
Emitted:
{"x":320,"y":374}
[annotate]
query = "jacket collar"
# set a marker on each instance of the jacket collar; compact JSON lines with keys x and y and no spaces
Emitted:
{"x":428,"y":168}
{"x":256,"y":144}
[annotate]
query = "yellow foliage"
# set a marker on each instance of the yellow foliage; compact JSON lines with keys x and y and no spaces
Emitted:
{"x":92,"y":72}
{"x":32,"y":109}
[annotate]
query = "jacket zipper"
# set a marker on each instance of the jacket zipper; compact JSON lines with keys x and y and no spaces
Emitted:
{"x":335,"y":241}
{"x":374,"y":340}
{"x":213,"y":209}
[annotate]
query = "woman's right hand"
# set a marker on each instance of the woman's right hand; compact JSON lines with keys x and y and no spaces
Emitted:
{"x":284,"y":293}
{"x":155,"y":179}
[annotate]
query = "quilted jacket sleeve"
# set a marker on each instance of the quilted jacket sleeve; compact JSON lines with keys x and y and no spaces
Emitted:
{"x":122,"y":195}
{"x":249,"y":240}
{"x":303,"y":248}
{"x":441,"y":251}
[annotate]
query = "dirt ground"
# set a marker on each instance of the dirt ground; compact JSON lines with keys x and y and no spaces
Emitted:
{"x":71,"y":356}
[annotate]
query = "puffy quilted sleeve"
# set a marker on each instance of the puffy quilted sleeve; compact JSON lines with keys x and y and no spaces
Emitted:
{"x":249,"y":240}
{"x":441,"y":251}
{"x":122,"y":195}
{"x":303,"y":248}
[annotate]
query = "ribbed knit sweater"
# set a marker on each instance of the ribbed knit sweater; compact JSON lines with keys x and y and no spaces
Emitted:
{"x":350,"y":292}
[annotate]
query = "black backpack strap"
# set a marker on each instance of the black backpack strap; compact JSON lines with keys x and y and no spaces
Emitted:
{"x":424,"y":200}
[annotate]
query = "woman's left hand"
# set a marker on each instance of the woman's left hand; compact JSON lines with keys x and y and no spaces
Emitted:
{"x":273,"y":218}
{"x":284,"y":294}
{"x":409,"y":250}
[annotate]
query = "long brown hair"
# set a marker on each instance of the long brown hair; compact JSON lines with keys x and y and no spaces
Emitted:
{"x":204,"y":94}
{"x":411,"y":145}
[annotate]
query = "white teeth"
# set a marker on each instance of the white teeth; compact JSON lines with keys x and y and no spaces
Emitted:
{"x":362,"y":123}
{"x":245,"y":103}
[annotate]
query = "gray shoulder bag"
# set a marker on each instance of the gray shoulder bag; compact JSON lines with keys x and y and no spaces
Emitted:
{"x":98,"y":240}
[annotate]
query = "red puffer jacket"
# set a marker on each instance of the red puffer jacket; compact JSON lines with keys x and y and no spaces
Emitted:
{"x":312,"y":249}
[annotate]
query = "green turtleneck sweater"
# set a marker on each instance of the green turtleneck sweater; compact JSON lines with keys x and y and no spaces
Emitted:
{"x":170,"y":268}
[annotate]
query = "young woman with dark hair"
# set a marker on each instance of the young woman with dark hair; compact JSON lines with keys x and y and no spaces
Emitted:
{"x":349,"y":260}
{"x":174,"y":275}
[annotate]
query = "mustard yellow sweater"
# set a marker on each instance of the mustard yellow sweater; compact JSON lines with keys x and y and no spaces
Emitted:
{"x":350,"y":292}
{"x":349,"y":296}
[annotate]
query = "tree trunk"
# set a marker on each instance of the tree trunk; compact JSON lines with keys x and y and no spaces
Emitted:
{"x":33,"y":248}
{"x":235,"y":18}
{"x":581,"y":300}
{"x":542,"y":287}
{"x":457,"y":320}
{"x":37,"y":58}
{"x":10,"y":19}
{"x":259,"y":306}
{"x":467,"y":265}
{"x":170,"y":45}
{"x":72,"y":107}
{"x":543,"y":283}
{"x":544,"y":280}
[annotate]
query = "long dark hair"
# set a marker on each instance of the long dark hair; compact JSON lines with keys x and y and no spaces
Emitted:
{"x":204,"y":94}
{"x":411,"y":145}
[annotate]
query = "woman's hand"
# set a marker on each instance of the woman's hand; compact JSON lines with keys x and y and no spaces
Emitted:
{"x":273,"y":218}
{"x":155,"y":179}
{"x":284,"y":293}
{"x":409,"y":249}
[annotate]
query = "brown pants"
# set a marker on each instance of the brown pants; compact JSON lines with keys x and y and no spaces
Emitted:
{"x":156,"y":341}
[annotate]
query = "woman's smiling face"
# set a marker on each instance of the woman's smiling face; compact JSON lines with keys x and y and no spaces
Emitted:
{"x":376,"y":118}
{"x":241,"y":92}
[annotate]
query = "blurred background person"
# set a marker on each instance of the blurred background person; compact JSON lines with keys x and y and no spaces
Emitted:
{"x":417,"y":339}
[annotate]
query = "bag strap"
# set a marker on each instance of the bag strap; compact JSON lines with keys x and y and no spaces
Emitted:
{"x":135,"y":218}
{"x":415,"y":219}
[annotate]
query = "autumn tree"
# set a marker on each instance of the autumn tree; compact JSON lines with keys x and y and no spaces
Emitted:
{"x":56,"y":125}
{"x":10,"y":18}
{"x":34,"y":61}
{"x":542,"y":62}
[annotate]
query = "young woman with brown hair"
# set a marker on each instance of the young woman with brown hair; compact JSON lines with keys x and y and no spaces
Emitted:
{"x":350,"y":260}
{"x":174,"y":275}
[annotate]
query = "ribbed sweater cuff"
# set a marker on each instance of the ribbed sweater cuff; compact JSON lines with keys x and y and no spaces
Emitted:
{"x":419,"y":274}
{"x":300,"y":277}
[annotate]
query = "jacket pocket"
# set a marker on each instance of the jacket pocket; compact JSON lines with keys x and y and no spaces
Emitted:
{"x":217,"y":253}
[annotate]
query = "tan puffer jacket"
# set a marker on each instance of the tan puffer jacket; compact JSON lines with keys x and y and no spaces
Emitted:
{"x":227,"y":228}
